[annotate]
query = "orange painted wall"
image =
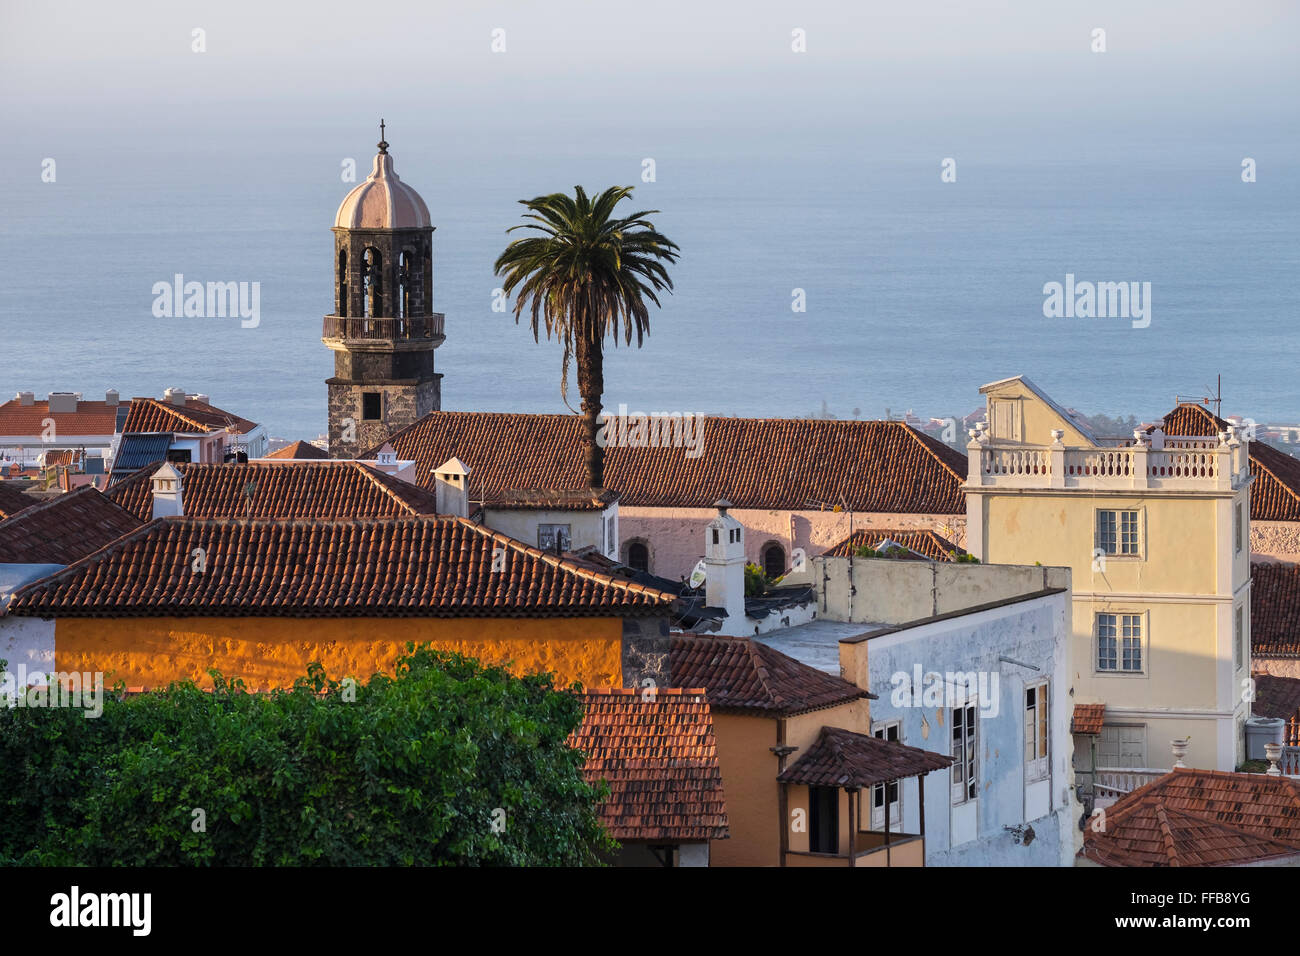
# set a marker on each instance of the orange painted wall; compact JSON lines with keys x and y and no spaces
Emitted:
{"x":272,"y":652}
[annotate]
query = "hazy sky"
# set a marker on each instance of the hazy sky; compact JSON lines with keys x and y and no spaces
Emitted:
{"x":1014,"y":75}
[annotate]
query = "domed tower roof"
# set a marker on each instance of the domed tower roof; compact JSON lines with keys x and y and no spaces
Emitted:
{"x":383,"y":201}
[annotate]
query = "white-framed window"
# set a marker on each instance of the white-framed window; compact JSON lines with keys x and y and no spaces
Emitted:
{"x":1119,"y":643}
{"x":1119,"y":533}
{"x":1238,"y":637}
{"x":552,"y":537}
{"x":1036,"y":732}
{"x":965,"y":750}
{"x":883,"y":794}
{"x":1237,"y":525}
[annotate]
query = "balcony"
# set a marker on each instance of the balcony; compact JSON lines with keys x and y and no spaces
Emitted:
{"x":423,"y":331}
{"x":1181,"y":464}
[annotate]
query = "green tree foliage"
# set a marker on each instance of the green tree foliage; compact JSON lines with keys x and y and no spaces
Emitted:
{"x":446,"y":763}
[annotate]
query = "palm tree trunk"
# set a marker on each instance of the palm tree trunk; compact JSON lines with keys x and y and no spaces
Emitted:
{"x":591,"y":386}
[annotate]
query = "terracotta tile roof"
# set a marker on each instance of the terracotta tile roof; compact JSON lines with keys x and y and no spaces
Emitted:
{"x":788,"y":464}
{"x":63,"y":529}
{"x":1088,"y":719}
{"x":1276,"y":696}
{"x":842,"y":758}
{"x":929,"y":543}
{"x":1200,"y":818}
{"x":61,"y":456}
{"x":1275,"y":494}
{"x":12,"y":500}
{"x":583,"y":499}
{"x":659,"y":756}
{"x":152,"y":415}
{"x":421,"y":566}
{"x":742,"y":675}
{"x":299,"y":449}
{"x":272,"y":489}
{"x":1275,"y":610}
{"x":90,"y":418}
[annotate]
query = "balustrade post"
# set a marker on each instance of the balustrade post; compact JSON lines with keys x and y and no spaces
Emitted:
{"x":1056,"y":459}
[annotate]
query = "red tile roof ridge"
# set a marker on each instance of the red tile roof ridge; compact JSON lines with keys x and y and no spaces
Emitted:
{"x":569,"y":567}
{"x":1167,"y":834}
{"x":649,"y":692}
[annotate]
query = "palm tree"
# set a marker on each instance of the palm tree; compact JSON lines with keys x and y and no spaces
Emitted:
{"x":585,"y":277}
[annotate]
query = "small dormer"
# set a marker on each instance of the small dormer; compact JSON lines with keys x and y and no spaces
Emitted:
{"x":166,"y":485}
{"x":724,"y":535}
{"x":451,"y":484}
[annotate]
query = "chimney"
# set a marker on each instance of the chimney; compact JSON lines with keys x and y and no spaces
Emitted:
{"x":175,"y":396}
{"x":26,"y":398}
{"x":451,"y":482}
{"x":166,"y":482}
{"x":724,"y":562}
{"x":386,"y":459}
{"x":200,"y":397}
{"x":63,"y":401}
{"x":111,"y":397}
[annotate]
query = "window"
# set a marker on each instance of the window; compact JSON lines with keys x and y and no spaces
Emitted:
{"x":611,"y":536}
{"x":823,"y":819}
{"x":1119,"y":643}
{"x":965,"y":776}
{"x":553,"y":537}
{"x":372,"y":288}
{"x":881,"y":792}
{"x":1236,"y":528}
{"x":1036,"y":732}
{"x":1238,"y":638}
{"x":404,"y":286}
{"x":638,"y":556}
{"x":774,"y":561}
{"x":178,"y":454}
{"x":1117,"y":532}
{"x":343,"y":283}
{"x":371,"y":406}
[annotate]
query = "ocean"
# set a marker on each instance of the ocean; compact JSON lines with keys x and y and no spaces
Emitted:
{"x":916,"y":291}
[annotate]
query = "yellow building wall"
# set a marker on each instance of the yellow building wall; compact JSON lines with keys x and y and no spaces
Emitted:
{"x":271,"y":652}
{"x":1179,"y":539}
{"x":749,"y":770}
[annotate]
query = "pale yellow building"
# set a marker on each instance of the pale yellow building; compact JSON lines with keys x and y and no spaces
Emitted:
{"x":1156,"y":531}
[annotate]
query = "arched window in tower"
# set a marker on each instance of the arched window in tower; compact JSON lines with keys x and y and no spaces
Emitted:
{"x":404,"y":285}
{"x":372,"y":283}
{"x":343,"y":284}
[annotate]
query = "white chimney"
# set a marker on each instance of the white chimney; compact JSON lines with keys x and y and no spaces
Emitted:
{"x":166,"y":482}
{"x":111,"y":397}
{"x":174,"y":395}
{"x":724,"y":562}
{"x":451,"y":483}
{"x":26,"y":398}
{"x":386,"y":459}
{"x":201,"y":397}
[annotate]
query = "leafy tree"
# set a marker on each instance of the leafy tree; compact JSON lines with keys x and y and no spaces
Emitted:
{"x":448,"y":762}
{"x":586,"y":277}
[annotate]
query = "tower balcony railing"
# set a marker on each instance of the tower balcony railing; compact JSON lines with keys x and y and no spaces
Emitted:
{"x":419,"y":328}
{"x":1219,"y":464}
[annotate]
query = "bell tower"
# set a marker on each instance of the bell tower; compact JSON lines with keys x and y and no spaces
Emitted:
{"x":383,"y":330}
